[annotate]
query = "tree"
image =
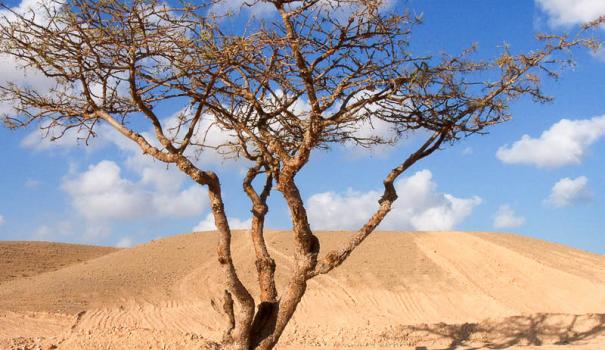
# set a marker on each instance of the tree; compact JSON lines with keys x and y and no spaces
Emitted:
{"x":311,"y":76}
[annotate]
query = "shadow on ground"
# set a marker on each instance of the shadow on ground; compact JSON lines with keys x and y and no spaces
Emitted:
{"x":534,"y":330}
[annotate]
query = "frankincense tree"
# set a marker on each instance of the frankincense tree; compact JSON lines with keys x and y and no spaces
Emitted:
{"x":308,"y":77}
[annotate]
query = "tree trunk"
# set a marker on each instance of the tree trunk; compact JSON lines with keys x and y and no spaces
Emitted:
{"x":264,"y":319}
{"x":237,"y":336}
{"x":305,"y":260}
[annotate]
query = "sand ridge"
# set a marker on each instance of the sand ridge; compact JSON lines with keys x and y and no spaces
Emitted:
{"x":398,"y":290}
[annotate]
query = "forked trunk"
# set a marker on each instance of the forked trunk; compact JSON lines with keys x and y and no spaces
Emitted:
{"x":305,"y":259}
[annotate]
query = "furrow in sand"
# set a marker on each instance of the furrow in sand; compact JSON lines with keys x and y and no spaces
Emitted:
{"x":517,"y":283}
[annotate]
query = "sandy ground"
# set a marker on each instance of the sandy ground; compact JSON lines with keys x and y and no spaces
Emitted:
{"x":440,"y":290}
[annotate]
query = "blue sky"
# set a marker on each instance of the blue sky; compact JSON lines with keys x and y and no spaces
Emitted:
{"x":548,"y":184}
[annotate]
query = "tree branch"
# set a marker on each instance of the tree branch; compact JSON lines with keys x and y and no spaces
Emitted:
{"x":336,"y":257}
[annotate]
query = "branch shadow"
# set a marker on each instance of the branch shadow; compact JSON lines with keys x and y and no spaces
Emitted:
{"x":531,"y":330}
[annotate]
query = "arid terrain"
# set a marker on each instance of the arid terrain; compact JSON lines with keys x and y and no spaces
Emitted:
{"x":439,"y":290}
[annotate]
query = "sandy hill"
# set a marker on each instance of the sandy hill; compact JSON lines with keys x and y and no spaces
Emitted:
{"x":26,"y":259}
{"x":441,"y":290}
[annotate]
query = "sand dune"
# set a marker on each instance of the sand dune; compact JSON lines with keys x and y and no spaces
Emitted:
{"x":440,"y":290}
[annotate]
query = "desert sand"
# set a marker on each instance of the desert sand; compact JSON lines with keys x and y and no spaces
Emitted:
{"x":437,"y":290}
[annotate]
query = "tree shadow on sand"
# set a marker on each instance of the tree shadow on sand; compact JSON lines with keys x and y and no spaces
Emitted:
{"x":532,"y":330}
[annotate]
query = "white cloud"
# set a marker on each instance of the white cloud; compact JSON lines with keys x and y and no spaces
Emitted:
{"x":102,"y":193}
{"x":12,"y":69}
{"x":30,"y":8}
{"x":571,"y":12}
{"x":565,"y":143}
{"x":41,"y":139}
{"x":207,"y":224}
{"x":371,"y":128}
{"x":375,"y":129}
{"x":186,"y":203}
{"x":330,"y":210}
{"x":262,"y":9}
{"x":58,"y":231}
{"x":568,"y":191}
{"x":207,"y":133}
{"x":420,"y":207}
{"x":506,"y":217}
{"x":125,"y":242}
{"x":2,"y":220}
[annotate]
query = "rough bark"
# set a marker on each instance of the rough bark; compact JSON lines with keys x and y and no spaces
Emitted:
{"x":264,"y":319}
{"x":305,"y":260}
{"x":239,"y":336}
{"x":237,"y":333}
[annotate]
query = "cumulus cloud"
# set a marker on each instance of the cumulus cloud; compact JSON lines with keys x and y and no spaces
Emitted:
{"x":14,"y":70}
{"x":41,"y":139}
{"x":207,"y":224}
{"x":506,"y":217}
{"x":330,"y":210}
{"x":565,"y":143}
{"x":56,"y":231}
{"x":380,"y":135}
{"x":571,"y":12}
{"x":374,"y":129}
{"x":2,"y":220}
{"x":101,"y":192}
{"x":207,"y":133}
{"x":420,"y":207}
{"x":262,"y":9}
{"x":568,"y":191}
{"x":45,"y":232}
{"x":29,"y":8}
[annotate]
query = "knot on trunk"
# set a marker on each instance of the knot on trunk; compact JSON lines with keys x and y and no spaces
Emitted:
{"x":390,"y":194}
{"x":259,"y":210}
{"x":311,"y":244}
